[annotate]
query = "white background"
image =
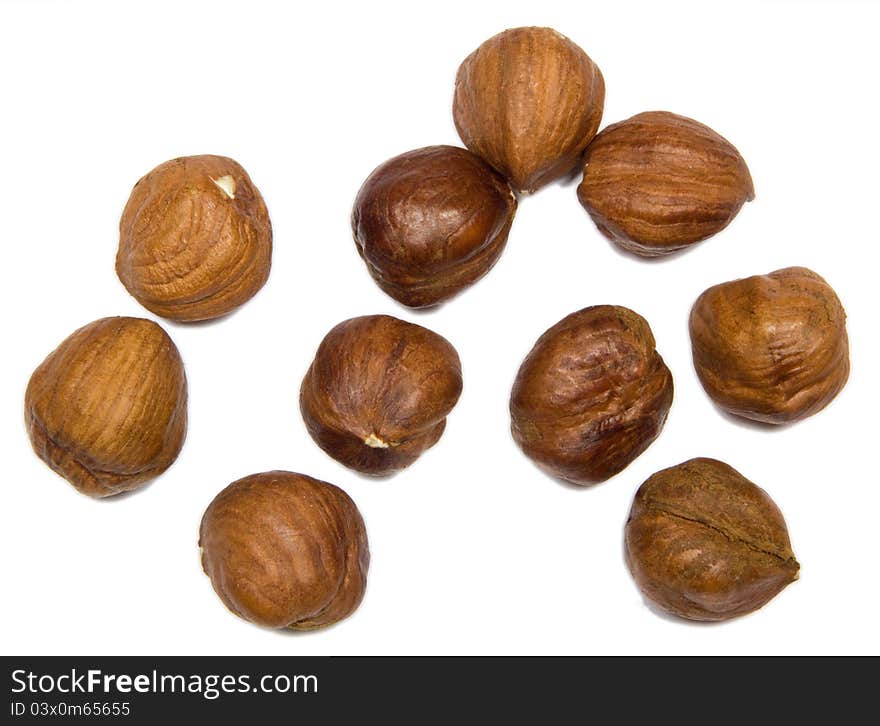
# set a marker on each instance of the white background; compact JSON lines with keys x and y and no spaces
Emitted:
{"x":474,"y":550}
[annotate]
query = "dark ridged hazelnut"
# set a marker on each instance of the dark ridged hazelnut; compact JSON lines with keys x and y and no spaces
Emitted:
{"x":591,"y":395}
{"x":772,"y":348}
{"x":705,"y":543}
{"x":528,"y":101}
{"x":378,"y":392}
{"x":430,"y":222}
{"x":658,"y":182}
{"x":195,"y":241}
{"x":107,"y":408}
{"x":284,"y":550}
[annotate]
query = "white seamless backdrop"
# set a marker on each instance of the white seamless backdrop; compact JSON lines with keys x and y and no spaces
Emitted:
{"x":474,"y":550}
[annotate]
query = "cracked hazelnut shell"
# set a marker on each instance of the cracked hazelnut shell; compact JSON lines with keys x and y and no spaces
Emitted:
{"x":378,"y":392}
{"x":591,"y":396}
{"x":659,"y":182}
{"x":195,"y":240}
{"x":773,"y":347}
{"x":430,"y":222}
{"x":528,"y":101}
{"x":705,"y":543}
{"x":284,"y":550}
{"x":107,"y":408}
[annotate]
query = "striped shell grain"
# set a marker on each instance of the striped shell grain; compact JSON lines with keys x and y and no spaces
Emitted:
{"x":591,"y":395}
{"x":773,"y":347}
{"x":705,"y":543}
{"x":659,"y":182}
{"x":107,"y":408}
{"x":195,"y":240}
{"x":378,"y":392}
{"x":528,"y":101}
{"x":284,"y":550}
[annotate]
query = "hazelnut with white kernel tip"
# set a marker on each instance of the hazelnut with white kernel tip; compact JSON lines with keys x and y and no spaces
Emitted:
{"x":378,"y":392}
{"x":195,"y":240}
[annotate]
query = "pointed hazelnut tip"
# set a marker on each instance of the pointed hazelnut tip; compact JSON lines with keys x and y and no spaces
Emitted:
{"x":374,"y":442}
{"x":226,"y":184}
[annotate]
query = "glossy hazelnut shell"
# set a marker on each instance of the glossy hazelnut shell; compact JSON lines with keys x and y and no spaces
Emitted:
{"x":107,"y":408}
{"x":591,"y":395}
{"x":773,"y":347}
{"x":285,"y":550}
{"x":705,"y":543}
{"x":528,"y":101}
{"x":659,"y":182}
{"x":378,"y":392}
{"x":431,"y":222}
{"x":187,"y":249}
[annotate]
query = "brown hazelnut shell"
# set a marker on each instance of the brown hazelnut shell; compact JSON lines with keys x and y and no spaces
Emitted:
{"x":705,"y":543}
{"x":378,"y":392}
{"x":528,"y":101}
{"x":430,"y":222}
{"x":659,"y":182}
{"x":773,"y":347}
{"x":284,"y":550}
{"x":107,"y":408}
{"x":592,"y":395}
{"x":195,"y":240}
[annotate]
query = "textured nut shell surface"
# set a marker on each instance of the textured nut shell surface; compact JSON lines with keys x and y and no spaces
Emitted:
{"x":187,"y":250}
{"x":705,"y":543}
{"x":381,"y":380}
{"x":659,"y":182}
{"x":528,"y":100}
{"x":591,"y":395}
{"x":284,"y":550}
{"x":430,"y":222}
{"x":107,"y":408}
{"x":773,"y":347}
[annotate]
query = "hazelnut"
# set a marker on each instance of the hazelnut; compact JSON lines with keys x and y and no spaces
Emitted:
{"x":378,"y":392}
{"x":284,"y":550}
{"x":591,"y":395}
{"x":705,"y":543}
{"x":528,"y":101}
{"x":658,"y":182}
{"x":430,"y":222}
{"x":772,"y":348}
{"x":107,"y":408}
{"x":195,"y":240}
